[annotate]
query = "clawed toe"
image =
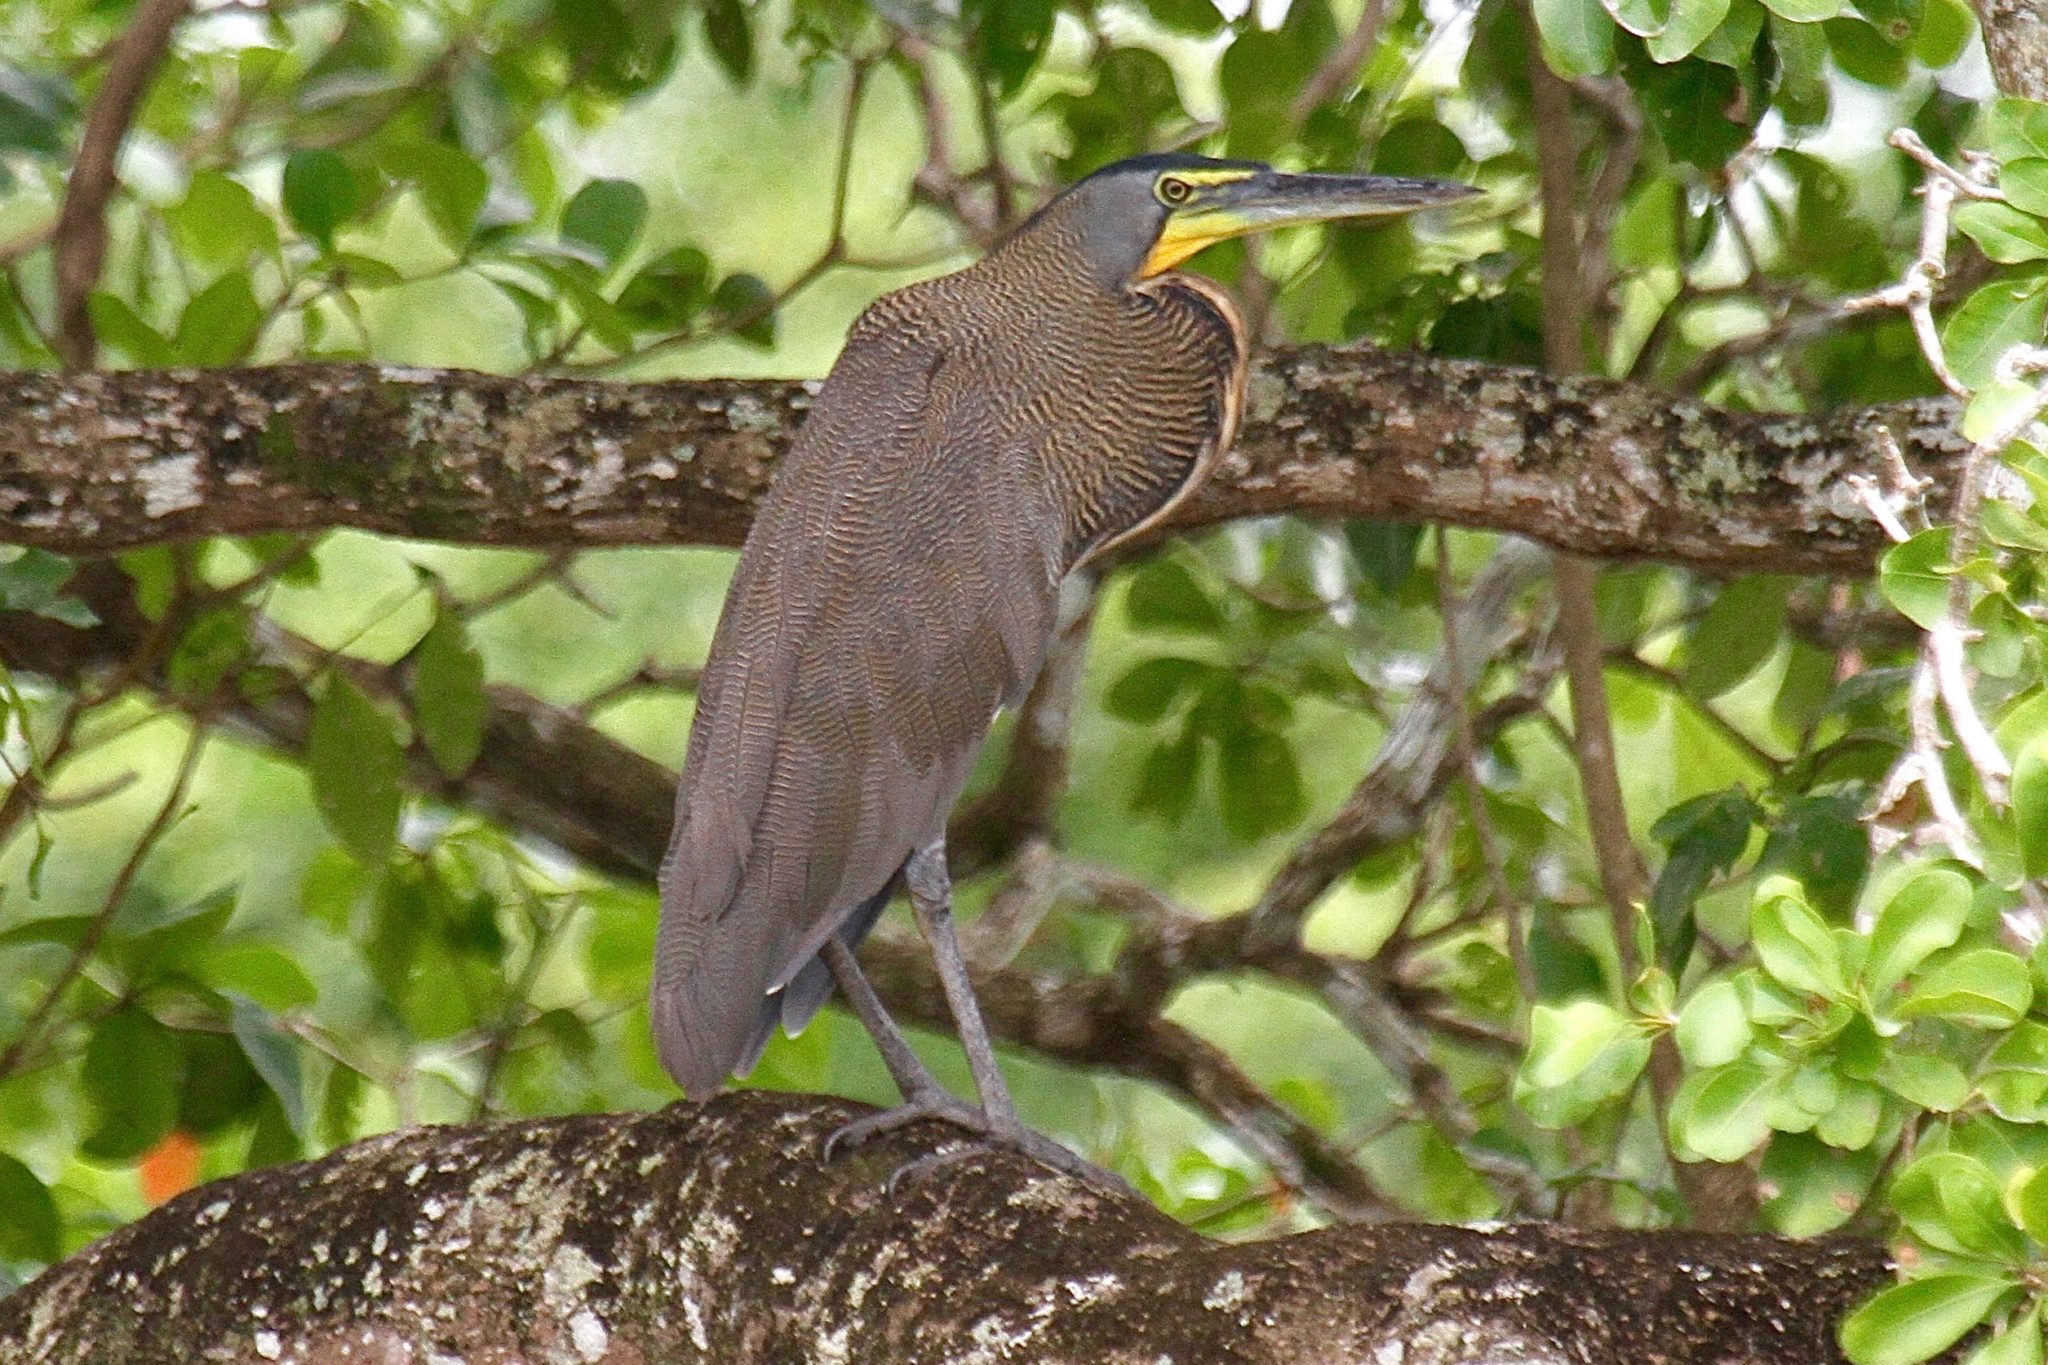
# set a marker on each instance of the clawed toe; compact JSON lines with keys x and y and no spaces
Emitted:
{"x":942,"y":1107}
{"x":1004,"y":1132}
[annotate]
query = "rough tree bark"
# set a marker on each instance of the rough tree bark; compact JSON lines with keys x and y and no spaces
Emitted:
{"x":91,"y":463}
{"x":712,"y":1233}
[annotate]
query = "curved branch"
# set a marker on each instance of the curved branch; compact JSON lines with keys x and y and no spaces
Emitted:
{"x":96,"y":462}
{"x":714,"y":1232}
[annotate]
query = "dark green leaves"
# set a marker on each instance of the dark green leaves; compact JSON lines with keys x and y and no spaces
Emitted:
{"x":1166,"y":596}
{"x":448,"y":694}
{"x":33,"y":581}
{"x":320,"y":193}
{"x":1704,"y":837}
{"x":355,"y":763}
{"x":606,"y":216}
{"x":29,"y":1227}
{"x":1259,"y":783}
{"x":730,"y":37}
{"x":669,"y":291}
{"x":1740,"y":630}
{"x":133,"y":1069}
{"x":450,"y":183}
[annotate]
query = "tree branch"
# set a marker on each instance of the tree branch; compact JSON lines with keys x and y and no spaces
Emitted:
{"x":715,"y":1232}
{"x":91,"y":463}
{"x":80,"y":234}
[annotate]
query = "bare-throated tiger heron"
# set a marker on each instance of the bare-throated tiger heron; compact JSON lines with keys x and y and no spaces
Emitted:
{"x":981,"y":435}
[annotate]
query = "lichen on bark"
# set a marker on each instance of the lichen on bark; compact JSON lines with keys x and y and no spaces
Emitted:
{"x":717,"y":1232}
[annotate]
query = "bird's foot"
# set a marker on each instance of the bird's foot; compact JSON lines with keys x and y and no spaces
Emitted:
{"x":1003,"y":1131}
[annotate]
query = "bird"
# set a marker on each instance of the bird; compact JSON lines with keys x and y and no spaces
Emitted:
{"x":982,"y":436}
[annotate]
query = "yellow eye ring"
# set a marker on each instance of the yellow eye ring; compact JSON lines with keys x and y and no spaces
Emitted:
{"x":1174,"y":190}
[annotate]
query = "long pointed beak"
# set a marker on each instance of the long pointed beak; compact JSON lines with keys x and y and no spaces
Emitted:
{"x":1276,"y":199}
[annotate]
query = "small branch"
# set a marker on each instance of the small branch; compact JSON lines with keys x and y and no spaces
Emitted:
{"x":1341,"y":68}
{"x":168,"y":813}
{"x":1416,"y":761}
{"x":80,"y":234}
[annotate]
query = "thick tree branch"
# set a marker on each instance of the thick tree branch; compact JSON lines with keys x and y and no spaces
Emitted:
{"x":715,"y":1233}
{"x":2016,"y":39}
{"x":95,"y":462}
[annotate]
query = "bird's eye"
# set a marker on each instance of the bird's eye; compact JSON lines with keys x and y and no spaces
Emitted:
{"x":1174,"y":190}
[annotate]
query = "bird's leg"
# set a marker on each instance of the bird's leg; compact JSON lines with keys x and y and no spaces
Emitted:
{"x":931,"y":896}
{"x":923,"y":1097}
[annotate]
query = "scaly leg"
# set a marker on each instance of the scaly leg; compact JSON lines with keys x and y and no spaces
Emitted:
{"x":931,"y":895}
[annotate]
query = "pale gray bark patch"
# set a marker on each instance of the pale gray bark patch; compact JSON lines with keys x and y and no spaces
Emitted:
{"x":716,"y":1233}
{"x":96,"y":462}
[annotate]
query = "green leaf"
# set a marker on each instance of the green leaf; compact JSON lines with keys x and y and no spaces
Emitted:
{"x":33,"y":581}
{"x":1998,"y":317}
{"x":2019,"y":1344}
{"x":320,"y":193}
{"x":219,"y":223}
{"x":451,"y":184}
{"x":267,"y":975}
{"x":1953,"y":1203}
{"x":606,"y":216}
{"x":2025,"y":184}
{"x":1384,"y":552}
{"x":669,"y":291}
{"x":1165,"y":596}
{"x":2026,"y":1199}
{"x":1945,"y":30}
{"x":274,"y":1055}
{"x":1933,"y":1083}
{"x":448,"y":694}
{"x":1688,"y":104}
{"x":132,"y":1074}
{"x":1578,"y":37}
{"x":1713,"y":1028}
{"x":1910,"y":1322}
{"x":1258,"y":783}
{"x":1912,"y":575}
{"x":355,"y":763}
{"x":731,"y":38}
{"x":1740,"y":630}
{"x":1704,"y":838}
{"x":2018,"y":129}
{"x":1151,"y":689}
{"x":1723,"y":1114}
{"x":35,"y":110}
{"x":2030,"y":805}
{"x":1805,"y":11}
{"x":1199,"y":17}
{"x":1922,"y":917}
{"x":1581,"y":1056}
{"x":1794,"y":944}
{"x":1691,"y":23}
{"x":1851,"y":1122}
{"x":2005,"y":234}
{"x":30,"y":1229}
{"x":1167,"y":781}
{"x":121,"y":327}
{"x":1984,"y":988}
{"x":219,"y":324}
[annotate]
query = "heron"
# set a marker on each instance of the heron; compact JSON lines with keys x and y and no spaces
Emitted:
{"x":981,"y":436}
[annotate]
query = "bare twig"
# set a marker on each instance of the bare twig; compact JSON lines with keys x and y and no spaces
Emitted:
{"x":1340,"y":69}
{"x":80,"y":234}
{"x":167,"y":814}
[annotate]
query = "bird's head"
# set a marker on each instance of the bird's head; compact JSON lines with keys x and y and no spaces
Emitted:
{"x":1145,"y":215}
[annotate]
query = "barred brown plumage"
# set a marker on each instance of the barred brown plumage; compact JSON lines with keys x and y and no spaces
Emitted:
{"x":980,"y":436}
